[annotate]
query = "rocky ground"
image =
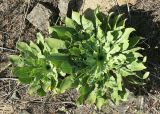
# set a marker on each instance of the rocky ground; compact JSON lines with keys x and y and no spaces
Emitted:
{"x":22,"y":19}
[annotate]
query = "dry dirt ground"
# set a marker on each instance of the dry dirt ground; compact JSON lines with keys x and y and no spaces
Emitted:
{"x":144,"y":15}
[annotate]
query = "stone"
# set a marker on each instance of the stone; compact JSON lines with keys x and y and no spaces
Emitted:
{"x":63,"y":7}
{"x":39,"y":17}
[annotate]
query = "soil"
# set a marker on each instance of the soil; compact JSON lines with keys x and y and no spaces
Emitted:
{"x":144,"y":16}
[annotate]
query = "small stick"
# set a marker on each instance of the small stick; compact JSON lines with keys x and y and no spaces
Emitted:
{"x":128,"y":9}
{"x":7,"y":49}
{"x":15,"y":79}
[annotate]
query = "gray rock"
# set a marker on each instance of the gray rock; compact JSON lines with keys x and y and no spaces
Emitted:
{"x":63,"y":7}
{"x":39,"y":17}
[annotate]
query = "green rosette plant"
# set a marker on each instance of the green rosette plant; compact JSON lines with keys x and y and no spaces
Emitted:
{"x":97,"y":56}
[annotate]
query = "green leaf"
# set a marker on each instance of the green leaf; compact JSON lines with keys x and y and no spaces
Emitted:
{"x":108,"y":20}
{"x":17,"y":60}
{"x":84,"y":92}
{"x":55,"y":43}
{"x":87,"y":24}
{"x":60,"y":32}
{"x":54,"y":83}
{"x":35,"y":49}
{"x":146,"y":75}
{"x":40,"y":38}
{"x":71,"y":23}
{"x":121,"y":24}
{"x":66,"y":84}
{"x":34,"y":86}
{"x":115,"y":96}
{"x":100,"y":102}
{"x":133,"y":41}
{"x":23,"y":74}
{"x":57,"y":58}
{"x":75,"y":51}
{"x":100,"y":34}
{"x":144,"y":59}
{"x":41,"y":92}
{"x":23,"y":47}
{"x":134,"y":66}
{"x":76,"y":17}
{"x":66,"y":67}
{"x":115,"y":49}
{"x":109,"y":36}
{"x":41,"y":43}
{"x":116,"y":20}
{"x":91,"y":97}
{"x":119,"y":82}
{"x":125,"y":72}
{"x":124,"y":38}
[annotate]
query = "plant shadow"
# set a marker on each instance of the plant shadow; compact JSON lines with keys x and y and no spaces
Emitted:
{"x":149,"y":29}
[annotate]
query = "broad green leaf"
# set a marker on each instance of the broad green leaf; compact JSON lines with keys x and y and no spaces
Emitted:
{"x":119,"y":82}
{"x":100,"y":101}
{"x":134,"y":66}
{"x":53,"y":84}
{"x":124,"y":38}
{"x":115,"y":49}
{"x":40,"y":38}
{"x":126,"y":33}
{"x":111,"y":82}
{"x":66,"y":67}
{"x":35,"y":49}
{"x":17,"y":60}
{"x":41,"y":92}
{"x":45,"y":83}
{"x":90,"y":61}
{"x":55,"y":43}
{"x":115,"y":96}
{"x":66,"y":83}
{"x":76,"y":17}
{"x":87,"y":24}
{"x":84,"y":92}
{"x":75,"y":51}
{"x":23,"y":74}
{"x":41,"y":43}
{"x":91,"y":97}
{"x":100,"y":34}
{"x":109,"y":37}
{"x":60,"y":32}
{"x":23,"y":47}
{"x":57,"y":59}
{"x":125,"y":72}
{"x":71,"y":23}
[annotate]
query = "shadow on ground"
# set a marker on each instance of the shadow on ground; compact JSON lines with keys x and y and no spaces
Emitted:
{"x":149,"y":29}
